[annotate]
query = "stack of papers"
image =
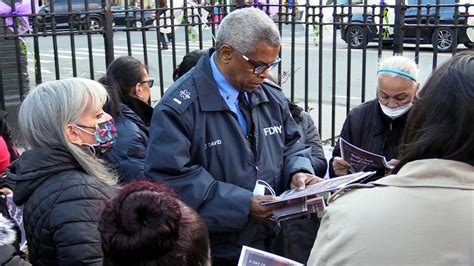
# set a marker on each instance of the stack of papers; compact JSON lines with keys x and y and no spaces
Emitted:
{"x":252,"y":256}
{"x":307,"y":201}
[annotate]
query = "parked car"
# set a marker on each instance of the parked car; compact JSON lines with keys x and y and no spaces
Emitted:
{"x":358,"y":33}
{"x":134,"y":17}
{"x":77,"y":20}
{"x":342,"y":8}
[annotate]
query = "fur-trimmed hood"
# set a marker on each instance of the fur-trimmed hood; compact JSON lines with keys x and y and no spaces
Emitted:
{"x":7,"y":233}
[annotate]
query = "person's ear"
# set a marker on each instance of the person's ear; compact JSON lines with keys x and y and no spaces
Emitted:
{"x":138,"y":90}
{"x":417,"y":90}
{"x":225,"y":53}
{"x":72,"y":134}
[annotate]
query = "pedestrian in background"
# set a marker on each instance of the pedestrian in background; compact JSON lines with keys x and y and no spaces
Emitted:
{"x":164,"y":16}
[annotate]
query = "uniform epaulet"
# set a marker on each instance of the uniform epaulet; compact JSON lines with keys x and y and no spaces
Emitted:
{"x":272,"y":84}
{"x":180,"y":99}
{"x":346,"y":189}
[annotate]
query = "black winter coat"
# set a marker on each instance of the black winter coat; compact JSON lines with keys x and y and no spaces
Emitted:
{"x":62,"y":207}
{"x":367,"y":127}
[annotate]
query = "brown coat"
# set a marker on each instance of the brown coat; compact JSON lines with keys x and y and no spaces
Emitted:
{"x":424,"y":215}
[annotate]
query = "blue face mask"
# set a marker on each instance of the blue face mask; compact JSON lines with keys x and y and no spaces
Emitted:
{"x":105,"y":134}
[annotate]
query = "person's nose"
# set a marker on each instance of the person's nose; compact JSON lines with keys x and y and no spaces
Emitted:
{"x":392,"y":103}
{"x":106,"y":117}
{"x":264,"y":74}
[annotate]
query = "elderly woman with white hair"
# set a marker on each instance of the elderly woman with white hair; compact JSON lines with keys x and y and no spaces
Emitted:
{"x":377,"y":125}
{"x":60,"y":180}
{"x":422,"y":214}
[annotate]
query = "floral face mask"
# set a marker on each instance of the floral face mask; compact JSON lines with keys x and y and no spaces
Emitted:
{"x":105,"y":134}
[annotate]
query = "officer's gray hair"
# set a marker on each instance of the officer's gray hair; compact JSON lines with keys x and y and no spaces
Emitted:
{"x":244,"y":28}
{"x":50,"y":107}
{"x":399,"y":63}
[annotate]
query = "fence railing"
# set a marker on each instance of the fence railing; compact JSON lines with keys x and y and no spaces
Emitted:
{"x":329,"y":51}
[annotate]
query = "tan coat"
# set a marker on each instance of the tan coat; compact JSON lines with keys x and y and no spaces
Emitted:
{"x":424,"y":215}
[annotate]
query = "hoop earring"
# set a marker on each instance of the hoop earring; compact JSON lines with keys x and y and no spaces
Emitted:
{"x":90,"y":148}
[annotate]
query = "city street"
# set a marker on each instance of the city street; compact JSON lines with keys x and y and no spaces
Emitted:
{"x":340,"y":58}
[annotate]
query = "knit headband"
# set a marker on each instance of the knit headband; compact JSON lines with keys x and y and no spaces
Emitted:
{"x":399,"y":72}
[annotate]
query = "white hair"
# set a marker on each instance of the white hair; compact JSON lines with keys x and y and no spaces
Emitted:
{"x":399,"y":63}
{"x":244,"y":28}
{"x":50,"y":107}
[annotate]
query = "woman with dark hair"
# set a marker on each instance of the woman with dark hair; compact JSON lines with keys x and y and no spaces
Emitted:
{"x":189,"y":61}
{"x":134,"y":84}
{"x":146,"y":224}
{"x":60,"y":180}
{"x":128,"y":85}
{"x":423,"y":214}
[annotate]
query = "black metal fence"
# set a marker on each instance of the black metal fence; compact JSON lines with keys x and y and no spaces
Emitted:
{"x":329,"y":54}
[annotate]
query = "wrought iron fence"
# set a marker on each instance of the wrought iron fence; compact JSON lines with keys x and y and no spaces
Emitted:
{"x":329,"y":52}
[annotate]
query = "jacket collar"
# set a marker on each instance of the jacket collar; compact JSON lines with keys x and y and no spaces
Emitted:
{"x":34,"y":166}
{"x":141,"y":108}
{"x":206,"y":87}
{"x":432,"y":173}
{"x":380,"y":121}
{"x":129,"y":114}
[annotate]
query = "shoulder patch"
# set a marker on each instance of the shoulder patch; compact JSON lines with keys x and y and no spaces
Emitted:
{"x":180,"y":98}
{"x":347,"y":189}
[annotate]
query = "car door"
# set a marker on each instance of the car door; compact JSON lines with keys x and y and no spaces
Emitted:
{"x":119,"y":15}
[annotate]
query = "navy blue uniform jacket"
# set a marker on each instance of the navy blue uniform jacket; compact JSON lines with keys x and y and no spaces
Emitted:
{"x":128,"y":153}
{"x":197,"y":147}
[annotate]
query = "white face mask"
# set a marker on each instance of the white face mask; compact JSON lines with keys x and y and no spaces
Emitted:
{"x":395,"y":112}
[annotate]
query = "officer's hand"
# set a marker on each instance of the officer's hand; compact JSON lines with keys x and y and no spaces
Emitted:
{"x":340,"y":166}
{"x":300,"y":180}
{"x":260,"y":212}
{"x":393,"y":162}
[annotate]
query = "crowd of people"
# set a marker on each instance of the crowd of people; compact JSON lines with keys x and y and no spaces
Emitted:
{"x":108,"y":180}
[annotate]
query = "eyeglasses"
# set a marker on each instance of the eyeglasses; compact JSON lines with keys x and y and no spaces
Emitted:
{"x":82,"y":127}
{"x":259,"y":68}
{"x":150,"y":82}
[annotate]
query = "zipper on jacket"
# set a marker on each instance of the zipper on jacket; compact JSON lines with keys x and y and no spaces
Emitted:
{"x":255,"y":142}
